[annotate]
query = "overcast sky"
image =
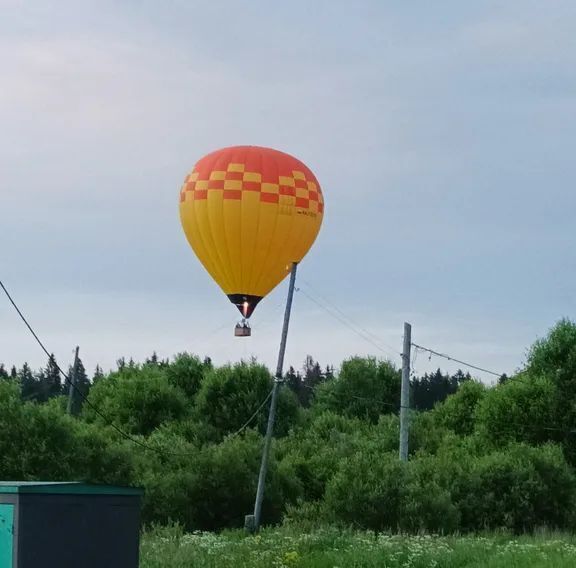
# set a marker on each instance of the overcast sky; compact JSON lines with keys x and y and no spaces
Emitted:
{"x":443,"y":135}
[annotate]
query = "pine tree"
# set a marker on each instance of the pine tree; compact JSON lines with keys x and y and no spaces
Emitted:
{"x":431,"y":389}
{"x":294,"y":382}
{"x":98,"y":374}
{"x":3,"y":372}
{"x":13,"y":373}
{"x":51,"y":382}
{"x":153,"y":360}
{"x":504,"y":378}
{"x":81,"y":386}
{"x":313,"y":376}
{"x":29,"y":386}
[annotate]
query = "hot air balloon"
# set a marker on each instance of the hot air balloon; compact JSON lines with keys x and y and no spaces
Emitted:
{"x":249,"y":213}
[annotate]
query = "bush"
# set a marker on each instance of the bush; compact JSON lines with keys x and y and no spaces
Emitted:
{"x":187,"y":373}
{"x":457,"y":412}
{"x":213,"y":487}
{"x":521,"y":489}
{"x":315,"y":450}
{"x":556,"y":353}
{"x":229,"y":395}
{"x":365,"y":388}
{"x":40,"y":442}
{"x":426,"y":435}
{"x":369,"y":491}
{"x":137,"y":400}
{"x":520,"y":410}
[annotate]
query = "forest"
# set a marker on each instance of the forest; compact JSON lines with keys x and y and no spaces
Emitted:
{"x":482,"y":457}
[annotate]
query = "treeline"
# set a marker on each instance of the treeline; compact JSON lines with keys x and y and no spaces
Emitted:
{"x":480,"y":457}
{"x":48,"y":382}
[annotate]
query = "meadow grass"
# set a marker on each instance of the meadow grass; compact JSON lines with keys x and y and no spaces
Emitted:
{"x":333,"y":548}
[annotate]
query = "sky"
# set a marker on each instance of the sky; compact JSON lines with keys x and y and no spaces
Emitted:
{"x":442,"y":135}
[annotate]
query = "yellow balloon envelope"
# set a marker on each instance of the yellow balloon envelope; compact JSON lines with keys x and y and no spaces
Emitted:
{"x":248,"y":213}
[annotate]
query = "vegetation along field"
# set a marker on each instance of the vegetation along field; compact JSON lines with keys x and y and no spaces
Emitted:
{"x":483,"y":459}
{"x":329,"y":548}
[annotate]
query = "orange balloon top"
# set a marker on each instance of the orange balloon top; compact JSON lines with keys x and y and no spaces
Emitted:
{"x":270,"y":166}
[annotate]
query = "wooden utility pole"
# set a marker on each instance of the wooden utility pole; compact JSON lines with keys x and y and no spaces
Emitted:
{"x":72,"y":383}
{"x":405,"y":393}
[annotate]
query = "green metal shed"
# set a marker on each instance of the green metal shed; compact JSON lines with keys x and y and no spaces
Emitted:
{"x":68,"y":525}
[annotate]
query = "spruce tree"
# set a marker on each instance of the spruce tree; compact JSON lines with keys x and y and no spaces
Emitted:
{"x":81,"y":388}
{"x":29,"y":386}
{"x":98,"y":374}
{"x":51,"y":380}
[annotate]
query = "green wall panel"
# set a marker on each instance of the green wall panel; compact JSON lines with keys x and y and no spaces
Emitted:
{"x":6,"y":535}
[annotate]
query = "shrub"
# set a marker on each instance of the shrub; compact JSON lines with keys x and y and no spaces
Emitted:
{"x":187,"y":373}
{"x":213,"y":487}
{"x":137,"y":400}
{"x":457,"y":412}
{"x":520,"y":488}
{"x":520,"y":410}
{"x":229,"y":395}
{"x":365,"y":388}
{"x":369,"y":491}
{"x":315,"y":450}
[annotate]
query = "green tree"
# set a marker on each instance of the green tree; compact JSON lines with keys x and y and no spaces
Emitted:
{"x":81,"y":386}
{"x":230,"y":395}
{"x":304,"y":385}
{"x":554,"y":357}
{"x":187,"y":372}
{"x":432,"y":388}
{"x":28,"y":384}
{"x":50,"y":380}
{"x":98,"y":374}
{"x":369,"y":491}
{"x":457,"y":412}
{"x":519,"y":488}
{"x":39,"y":441}
{"x":555,"y":354}
{"x":293,"y":381}
{"x":365,"y":388}
{"x":138,"y":400}
{"x":518,"y":410}
{"x":213,"y":487}
{"x":316,"y":448}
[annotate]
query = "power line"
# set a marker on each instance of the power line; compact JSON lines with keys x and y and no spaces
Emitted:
{"x":335,"y":315}
{"x":397,"y":407}
{"x":245,"y":425}
{"x":336,"y":308}
{"x":413,"y":364}
{"x":363,"y":398}
{"x":449,"y":358}
{"x":84,"y":398}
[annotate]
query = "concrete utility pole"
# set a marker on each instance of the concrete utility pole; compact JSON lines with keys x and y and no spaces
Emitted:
{"x":405,"y":393}
{"x":72,"y":385}
{"x":252,"y":522}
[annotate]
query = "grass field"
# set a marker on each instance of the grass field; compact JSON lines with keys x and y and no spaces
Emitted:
{"x":330,"y":548}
